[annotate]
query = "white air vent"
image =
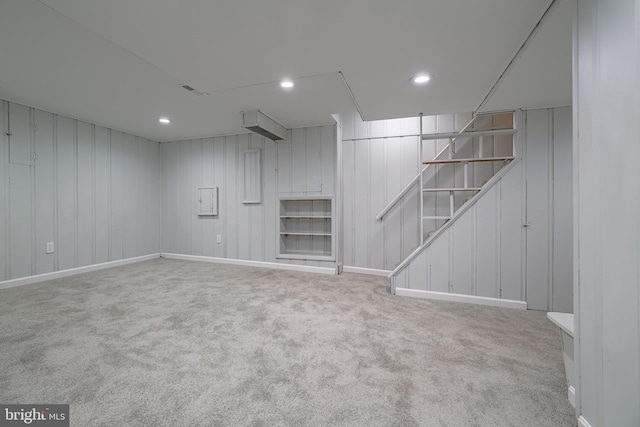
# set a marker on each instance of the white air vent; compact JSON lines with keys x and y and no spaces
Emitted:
{"x":260,"y":123}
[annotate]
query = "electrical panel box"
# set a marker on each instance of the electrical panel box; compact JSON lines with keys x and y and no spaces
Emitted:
{"x":207,"y":201}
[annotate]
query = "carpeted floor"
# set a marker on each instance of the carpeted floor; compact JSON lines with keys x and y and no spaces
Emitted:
{"x":176,"y":343}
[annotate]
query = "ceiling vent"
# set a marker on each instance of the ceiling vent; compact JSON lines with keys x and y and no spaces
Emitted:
{"x":260,"y":123}
{"x":193,"y":91}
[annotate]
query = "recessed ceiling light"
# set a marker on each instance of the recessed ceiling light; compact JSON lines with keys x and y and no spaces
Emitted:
{"x":164,"y":120}
{"x":421,"y":78}
{"x":287,"y":84}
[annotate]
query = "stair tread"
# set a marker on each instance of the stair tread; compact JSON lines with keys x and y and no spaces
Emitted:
{"x":472,"y":160}
{"x":452,"y":189}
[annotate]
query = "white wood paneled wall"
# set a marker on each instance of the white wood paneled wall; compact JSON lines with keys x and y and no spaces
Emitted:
{"x":488,"y":252}
{"x":304,"y":164}
{"x":379,"y":159}
{"x":92,"y":191}
{"x":607,"y":212}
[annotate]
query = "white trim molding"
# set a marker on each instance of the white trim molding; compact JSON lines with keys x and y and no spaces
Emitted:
{"x":369,"y":271}
{"x":248,"y":263}
{"x":73,"y":271}
{"x":582,"y":422}
{"x":471,"y":299}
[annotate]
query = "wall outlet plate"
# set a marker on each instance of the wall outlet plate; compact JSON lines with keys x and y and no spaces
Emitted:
{"x":218,"y":238}
{"x":49,"y":247}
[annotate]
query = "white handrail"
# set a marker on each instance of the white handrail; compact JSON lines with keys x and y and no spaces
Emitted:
{"x":406,"y":189}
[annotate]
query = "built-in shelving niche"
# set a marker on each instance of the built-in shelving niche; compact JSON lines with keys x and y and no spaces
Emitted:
{"x":306,"y":229}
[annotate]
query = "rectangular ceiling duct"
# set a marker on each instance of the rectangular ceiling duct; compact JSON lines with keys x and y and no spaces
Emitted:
{"x":258,"y":122}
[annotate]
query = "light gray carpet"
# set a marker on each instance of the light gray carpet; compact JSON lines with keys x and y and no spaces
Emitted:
{"x":176,"y":343}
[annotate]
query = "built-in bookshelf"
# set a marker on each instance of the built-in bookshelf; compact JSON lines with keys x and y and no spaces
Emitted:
{"x":306,"y":228}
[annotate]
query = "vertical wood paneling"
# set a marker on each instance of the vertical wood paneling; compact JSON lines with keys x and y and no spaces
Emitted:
{"x":298,"y":162}
{"x":362,"y":217}
{"x":69,"y":192}
{"x":85,"y":202}
{"x":562,"y":212}
{"x":313,"y":144}
{"x":439,"y":263}
{"x":270,"y":202}
{"x":348,"y":196}
{"x":102,"y":193}
{"x":463,"y":258}
{"x":231,"y":197}
{"x":245,"y":227}
{"x":196,"y":172}
{"x":117,"y":199}
{"x":256,"y":211}
{"x":20,"y":151}
{"x":185,"y":198}
{"x":20,"y":235}
{"x":45,"y":191}
{"x":130,"y":195}
{"x":208,"y":223}
{"x":418,"y":272}
{"x":219,"y":180}
{"x":486,"y":250}
{"x":511,"y":234}
{"x":393,"y":159}
{"x":538,"y":197}
{"x":66,"y":184}
{"x":328,"y":159}
{"x":377,"y":195}
{"x":4,"y":190}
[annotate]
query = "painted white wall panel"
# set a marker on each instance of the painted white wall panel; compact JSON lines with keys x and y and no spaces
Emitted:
{"x":487,"y":222}
{"x":72,"y":195}
{"x":131,"y":168}
{"x":439,"y":268}
{"x":247,"y":231}
{"x":20,"y":216}
{"x":102,"y":241}
{"x":418,"y":273}
{"x":512,"y":234}
{"x":4,"y":190}
{"x":483,"y":253}
{"x":117,"y":199}
{"x":44,"y":209}
{"x":66,"y":194}
{"x":537,"y":158}
{"x":562,"y":298}
{"x":20,"y":149}
{"x":85,"y":193}
{"x":607,"y":208}
{"x":463,"y":255}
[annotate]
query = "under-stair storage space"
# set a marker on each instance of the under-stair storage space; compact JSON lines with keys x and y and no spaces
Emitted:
{"x":306,"y":228}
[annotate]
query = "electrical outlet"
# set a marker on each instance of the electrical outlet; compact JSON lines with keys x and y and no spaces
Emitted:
{"x":49,"y":248}
{"x":218,"y":238}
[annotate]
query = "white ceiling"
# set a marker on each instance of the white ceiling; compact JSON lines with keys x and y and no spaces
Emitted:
{"x":121,"y":63}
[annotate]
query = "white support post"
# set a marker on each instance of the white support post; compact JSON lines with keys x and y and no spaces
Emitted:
{"x":481,"y":147}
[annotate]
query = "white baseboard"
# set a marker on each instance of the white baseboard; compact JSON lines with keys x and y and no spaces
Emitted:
{"x":443,"y":296}
{"x":73,"y":271}
{"x":369,"y":271}
{"x":572,"y":396}
{"x":248,"y":263}
{"x":582,"y":422}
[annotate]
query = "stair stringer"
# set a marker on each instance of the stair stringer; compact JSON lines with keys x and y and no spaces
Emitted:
{"x":416,"y":272}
